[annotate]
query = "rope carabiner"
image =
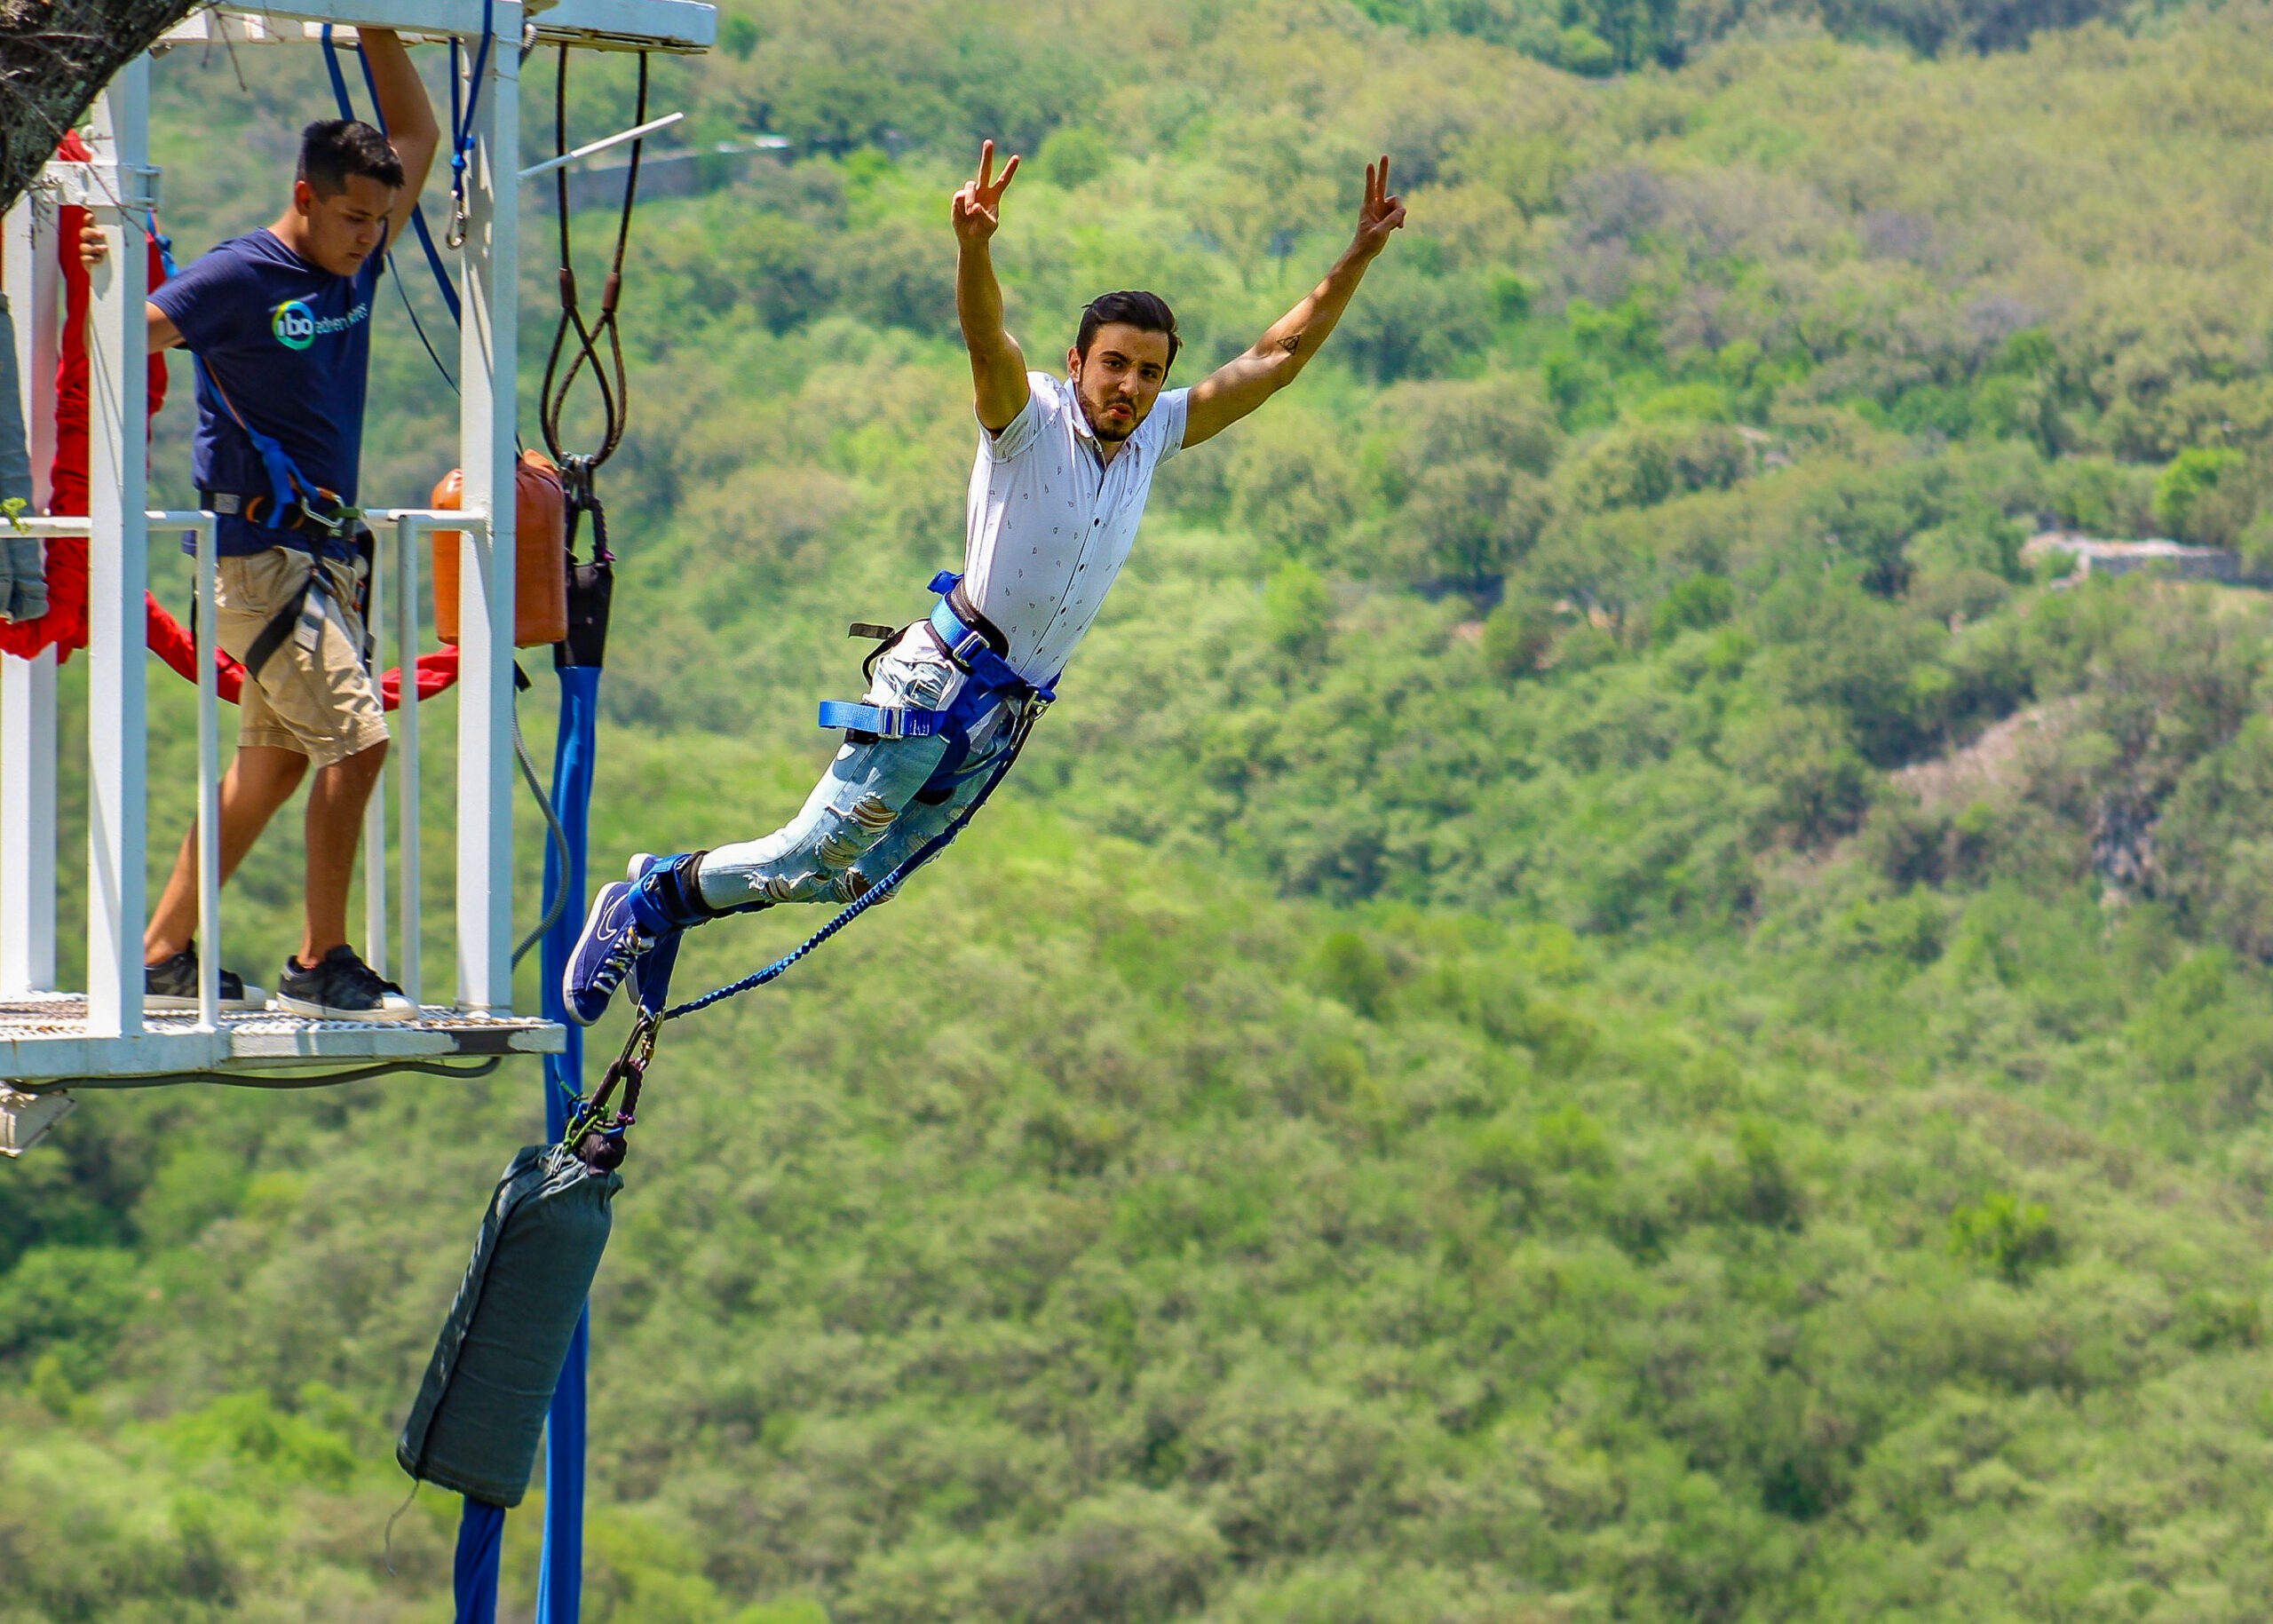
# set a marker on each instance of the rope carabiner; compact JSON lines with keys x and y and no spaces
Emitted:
{"x":594,"y":1135}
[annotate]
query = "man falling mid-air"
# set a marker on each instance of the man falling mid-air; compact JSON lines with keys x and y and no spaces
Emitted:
{"x":1060,"y":484}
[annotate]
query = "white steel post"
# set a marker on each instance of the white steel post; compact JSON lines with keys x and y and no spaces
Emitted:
{"x":118,"y":548}
{"x":203,"y":536}
{"x":407,"y":535}
{"x":374,"y":809}
{"x":487,"y":373}
{"x":28,"y":758}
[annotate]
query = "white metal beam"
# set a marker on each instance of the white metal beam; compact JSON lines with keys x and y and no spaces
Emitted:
{"x":25,"y":1119}
{"x":679,"y":26}
{"x":488,"y":376}
{"x":60,"y":1054}
{"x":118,"y":553}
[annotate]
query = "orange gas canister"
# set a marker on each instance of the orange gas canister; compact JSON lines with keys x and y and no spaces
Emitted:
{"x":541,"y":555}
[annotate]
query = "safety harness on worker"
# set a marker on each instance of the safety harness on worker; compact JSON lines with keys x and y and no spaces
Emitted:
{"x":300,"y":514}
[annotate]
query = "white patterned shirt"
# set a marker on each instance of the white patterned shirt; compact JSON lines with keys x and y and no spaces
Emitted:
{"x":1050,"y":523}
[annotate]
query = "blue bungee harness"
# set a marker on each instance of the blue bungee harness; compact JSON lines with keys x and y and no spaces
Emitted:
{"x":989,"y":681}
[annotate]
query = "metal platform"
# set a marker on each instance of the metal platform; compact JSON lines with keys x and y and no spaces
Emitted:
{"x":45,"y":1042}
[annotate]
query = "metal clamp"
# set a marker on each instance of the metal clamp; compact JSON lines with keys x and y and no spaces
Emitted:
{"x":132,"y":187}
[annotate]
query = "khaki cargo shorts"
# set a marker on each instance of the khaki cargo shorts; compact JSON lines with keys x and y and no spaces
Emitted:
{"x":319,"y":701}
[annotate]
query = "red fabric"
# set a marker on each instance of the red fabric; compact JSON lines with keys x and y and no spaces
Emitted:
{"x":170,"y":641}
{"x":71,"y":371}
{"x":65,"y":623}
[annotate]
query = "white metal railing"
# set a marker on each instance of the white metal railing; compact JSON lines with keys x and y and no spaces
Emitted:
{"x":28,"y":725}
{"x":410,"y":526}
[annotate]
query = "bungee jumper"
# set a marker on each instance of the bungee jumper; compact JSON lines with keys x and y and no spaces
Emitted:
{"x":1057,"y":488}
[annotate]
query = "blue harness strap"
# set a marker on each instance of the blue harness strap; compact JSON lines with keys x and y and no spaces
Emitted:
{"x":991,"y":682}
{"x":285,"y":481}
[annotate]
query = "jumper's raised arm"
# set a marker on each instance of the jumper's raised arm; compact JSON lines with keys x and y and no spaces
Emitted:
{"x":998,"y":368}
{"x":1239,"y":385}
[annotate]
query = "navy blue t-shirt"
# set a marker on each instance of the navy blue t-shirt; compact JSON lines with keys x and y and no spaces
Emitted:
{"x":291,"y":346}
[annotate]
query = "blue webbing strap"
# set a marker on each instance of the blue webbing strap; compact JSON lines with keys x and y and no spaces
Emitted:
{"x":461,"y":126}
{"x":560,"y":1569}
{"x":417,"y":214}
{"x":886,"y":722}
{"x":449,"y":289}
{"x":286,"y":485}
{"x":338,"y":79}
{"x":481,"y":1542}
{"x":992,"y":681}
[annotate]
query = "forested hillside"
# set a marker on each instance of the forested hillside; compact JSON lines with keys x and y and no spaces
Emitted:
{"x":1598,"y":1004}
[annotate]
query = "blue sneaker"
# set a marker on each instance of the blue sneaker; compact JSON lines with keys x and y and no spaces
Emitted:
{"x":613,"y":943}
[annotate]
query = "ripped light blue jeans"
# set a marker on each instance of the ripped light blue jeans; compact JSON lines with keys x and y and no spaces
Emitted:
{"x":863,"y":820}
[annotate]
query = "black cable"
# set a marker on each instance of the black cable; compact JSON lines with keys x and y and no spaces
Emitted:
{"x":256,"y":1080}
{"x":608,"y":374}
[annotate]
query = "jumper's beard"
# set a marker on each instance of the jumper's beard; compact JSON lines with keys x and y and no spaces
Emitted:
{"x":1113,"y":422}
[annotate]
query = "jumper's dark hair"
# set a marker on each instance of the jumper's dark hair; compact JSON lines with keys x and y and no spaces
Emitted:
{"x":1147,"y":312}
{"x":333,"y":149}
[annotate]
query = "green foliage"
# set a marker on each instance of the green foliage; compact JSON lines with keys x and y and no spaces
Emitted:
{"x":1075,"y":157}
{"x":1516,"y":635}
{"x":69,"y":1300}
{"x":1299,"y":609}
{"x":2001,"y":1232}
{"x":1694,"y":605}
{"x":2192,"y":475}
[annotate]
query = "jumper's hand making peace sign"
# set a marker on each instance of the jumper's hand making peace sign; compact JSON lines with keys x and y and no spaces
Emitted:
{"x":1380,"y":215}
{"x":979,"y":205}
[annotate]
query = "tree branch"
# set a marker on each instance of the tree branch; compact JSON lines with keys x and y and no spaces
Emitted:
{"x":55,"y":57}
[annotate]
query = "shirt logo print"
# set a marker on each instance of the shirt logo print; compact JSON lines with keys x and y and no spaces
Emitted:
{"x":294,"y":325}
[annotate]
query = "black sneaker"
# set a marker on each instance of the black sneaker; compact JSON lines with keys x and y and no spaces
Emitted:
{"x":341,"y":987}
{"x":172,"y":986}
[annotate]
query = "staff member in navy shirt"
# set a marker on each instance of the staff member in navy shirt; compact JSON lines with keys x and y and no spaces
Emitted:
{"x":280,"y":321}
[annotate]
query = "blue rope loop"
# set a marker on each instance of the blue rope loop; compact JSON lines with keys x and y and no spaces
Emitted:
{"x":461,"y":125}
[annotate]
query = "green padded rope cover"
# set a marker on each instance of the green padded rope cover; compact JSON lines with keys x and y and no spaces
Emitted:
{"x":480,"y":1410}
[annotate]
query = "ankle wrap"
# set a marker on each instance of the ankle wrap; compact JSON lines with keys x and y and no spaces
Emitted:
{"x":671,"y":895}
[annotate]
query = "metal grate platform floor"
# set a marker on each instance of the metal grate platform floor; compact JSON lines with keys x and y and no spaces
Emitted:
{"x":43,"y":1041}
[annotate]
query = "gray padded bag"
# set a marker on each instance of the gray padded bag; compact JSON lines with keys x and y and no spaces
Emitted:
{"x":480,"y":1410}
